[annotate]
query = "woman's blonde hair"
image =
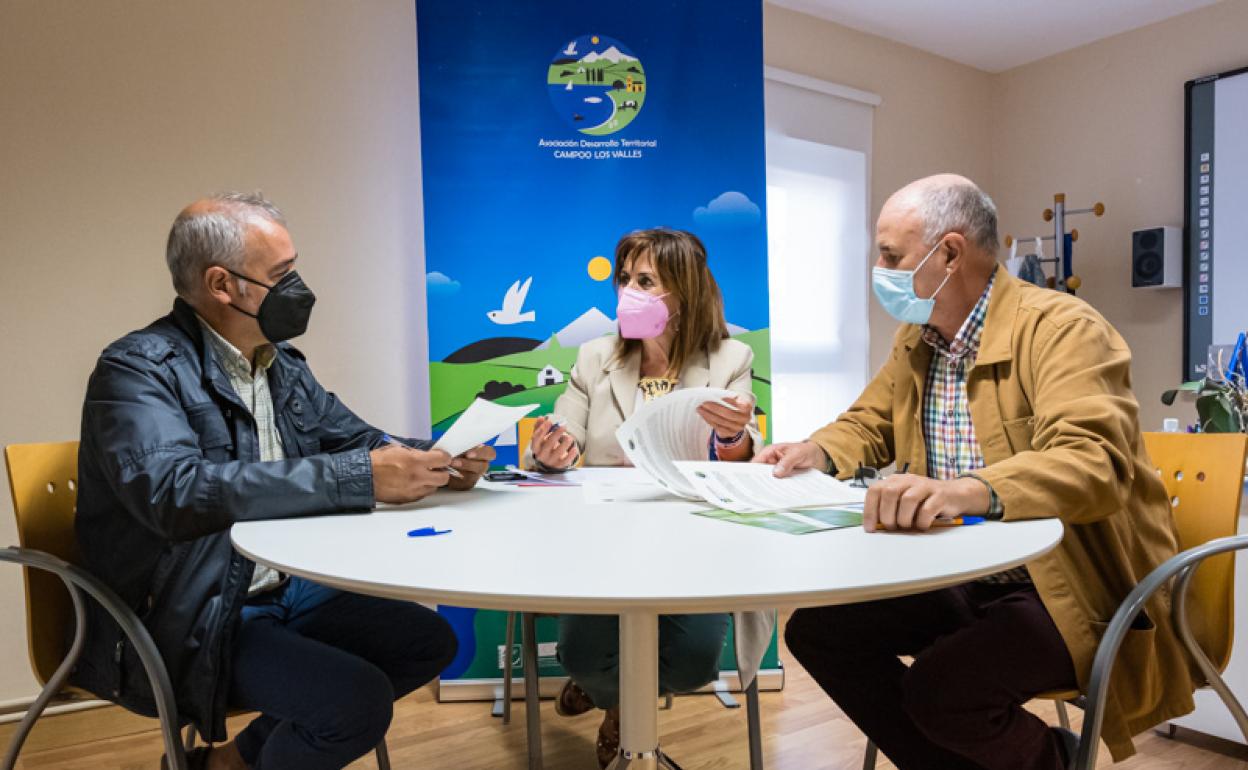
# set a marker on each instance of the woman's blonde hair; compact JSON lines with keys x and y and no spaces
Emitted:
{"x":679,"y":258}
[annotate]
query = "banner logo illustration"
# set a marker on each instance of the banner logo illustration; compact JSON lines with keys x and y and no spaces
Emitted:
{"x":596,"y":84}
{"x":526,"y":196}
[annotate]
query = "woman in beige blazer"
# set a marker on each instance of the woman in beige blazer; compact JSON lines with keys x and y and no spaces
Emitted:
{"x":672,"y":335}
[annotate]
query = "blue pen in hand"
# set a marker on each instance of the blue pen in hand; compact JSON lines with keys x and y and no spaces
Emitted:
{"x":428,"y":532}
{"x":390,"y":440}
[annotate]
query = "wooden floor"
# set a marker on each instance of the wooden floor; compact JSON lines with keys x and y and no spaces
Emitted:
{"x":802,"y":730}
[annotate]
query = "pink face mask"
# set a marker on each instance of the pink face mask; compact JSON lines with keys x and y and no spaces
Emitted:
{"x":642,"y":316}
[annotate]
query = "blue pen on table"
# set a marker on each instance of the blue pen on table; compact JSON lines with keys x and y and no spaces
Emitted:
{"x":958,"y":521}
{"x":390,"y":440}
{"x":428,"y":532}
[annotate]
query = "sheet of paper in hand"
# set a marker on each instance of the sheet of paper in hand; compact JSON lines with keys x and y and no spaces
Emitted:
{"x":480,"y":422}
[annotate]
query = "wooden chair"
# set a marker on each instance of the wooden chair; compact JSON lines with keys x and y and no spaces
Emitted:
{"x":1203,"y":475}
{"x":43,"y":479}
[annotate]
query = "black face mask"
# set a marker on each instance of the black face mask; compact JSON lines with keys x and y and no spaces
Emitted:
{"x":285,"y":310}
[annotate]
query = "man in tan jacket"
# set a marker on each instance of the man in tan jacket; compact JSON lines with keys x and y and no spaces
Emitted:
{"x":1009,"y":401}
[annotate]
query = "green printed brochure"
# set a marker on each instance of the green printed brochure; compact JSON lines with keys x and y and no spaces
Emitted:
{"x":793,"y":522}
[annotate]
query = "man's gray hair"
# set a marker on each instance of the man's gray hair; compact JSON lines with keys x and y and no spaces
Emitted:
{"x":959,"y":208}
{"x":214,"y":234}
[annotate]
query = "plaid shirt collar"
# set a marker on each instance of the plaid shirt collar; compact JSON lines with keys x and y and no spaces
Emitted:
{"x":966,"y":343}
{"x":232,"y":359}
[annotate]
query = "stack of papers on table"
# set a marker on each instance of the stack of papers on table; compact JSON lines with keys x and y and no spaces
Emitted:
{"x":753,"y":488}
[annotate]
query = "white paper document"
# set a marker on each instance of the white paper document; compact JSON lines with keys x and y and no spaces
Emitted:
{"x":668,"y":429}
{"x":599,"y":492}
{"x":480,"y":422}
{"x":752,"y":488}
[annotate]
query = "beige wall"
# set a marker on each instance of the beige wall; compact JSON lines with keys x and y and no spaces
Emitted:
{"x":935,"y":114}
{"x":1105,"y":122}
{"x":116,"y":112}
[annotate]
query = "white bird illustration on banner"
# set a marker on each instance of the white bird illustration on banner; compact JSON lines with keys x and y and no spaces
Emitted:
{"x":512,"y":302}
{"x":571,"y":49}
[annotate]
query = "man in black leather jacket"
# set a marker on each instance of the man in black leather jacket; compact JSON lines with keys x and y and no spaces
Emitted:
{"x":208,"y":417}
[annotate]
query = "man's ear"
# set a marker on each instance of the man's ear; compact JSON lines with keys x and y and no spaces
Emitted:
{"x":955,"y":251}
{"x":217,"y":284}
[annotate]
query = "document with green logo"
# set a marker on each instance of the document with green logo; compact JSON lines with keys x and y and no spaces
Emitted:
{"x":800,"y":522}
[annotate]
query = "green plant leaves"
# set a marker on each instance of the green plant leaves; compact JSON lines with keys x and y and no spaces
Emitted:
{"x":1218,"y":413}
{"x":1168,"y":396}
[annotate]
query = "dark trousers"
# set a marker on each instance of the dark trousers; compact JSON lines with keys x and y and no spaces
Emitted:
{"x":324,"y":667}
{"x":980,"y":652}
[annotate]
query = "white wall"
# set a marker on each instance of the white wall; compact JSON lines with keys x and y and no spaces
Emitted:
{"x":118,"y":112}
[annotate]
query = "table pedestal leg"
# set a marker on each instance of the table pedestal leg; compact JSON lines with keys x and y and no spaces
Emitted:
{"x":639,"y":694}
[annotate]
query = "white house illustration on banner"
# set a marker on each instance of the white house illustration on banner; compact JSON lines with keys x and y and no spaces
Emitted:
{"x":549,"y":375}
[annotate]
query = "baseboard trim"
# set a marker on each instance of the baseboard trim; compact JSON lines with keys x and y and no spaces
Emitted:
{"x":769,"y":680}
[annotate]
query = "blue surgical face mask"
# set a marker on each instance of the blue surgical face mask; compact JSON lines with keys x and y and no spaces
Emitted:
{"x":895,"y":291}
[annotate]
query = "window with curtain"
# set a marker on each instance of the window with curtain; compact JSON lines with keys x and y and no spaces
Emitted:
{"x":818,"y":161}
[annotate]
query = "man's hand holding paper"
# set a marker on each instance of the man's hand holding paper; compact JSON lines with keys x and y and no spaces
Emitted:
{"x":471,"y":466}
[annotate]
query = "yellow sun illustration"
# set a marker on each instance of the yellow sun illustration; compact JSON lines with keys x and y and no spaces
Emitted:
{"x":599,"y":268}
{"x":594,"y":40}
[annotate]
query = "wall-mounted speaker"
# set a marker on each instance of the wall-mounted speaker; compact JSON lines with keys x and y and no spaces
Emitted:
{"x":1157,"y":258}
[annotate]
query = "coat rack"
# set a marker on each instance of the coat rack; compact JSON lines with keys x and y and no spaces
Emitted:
{"x":1063,"y":278}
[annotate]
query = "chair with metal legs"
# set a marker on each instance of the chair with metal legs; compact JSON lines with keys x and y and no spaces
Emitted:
{"x":43,"y":481}
{"x":1178,"y":569}
{"x":532,"y":696}
{"x":77,"y":582}
{"x":1203,"y":477}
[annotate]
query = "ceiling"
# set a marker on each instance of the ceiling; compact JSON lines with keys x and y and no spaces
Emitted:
{"x":994,"y":35}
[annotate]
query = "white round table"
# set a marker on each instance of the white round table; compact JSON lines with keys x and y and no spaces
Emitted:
{"x":547,"y":550}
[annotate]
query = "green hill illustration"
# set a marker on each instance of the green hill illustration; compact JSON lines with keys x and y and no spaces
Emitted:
{"x":454,"y":386}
